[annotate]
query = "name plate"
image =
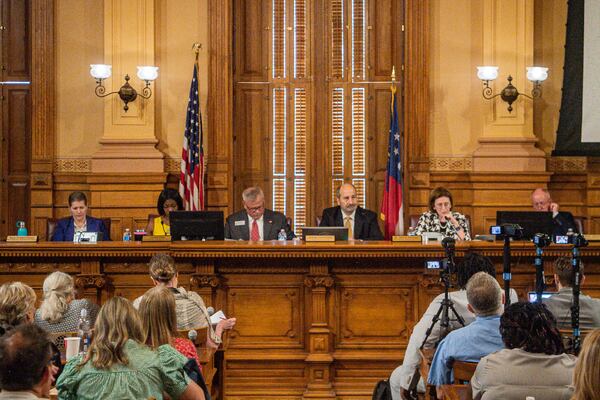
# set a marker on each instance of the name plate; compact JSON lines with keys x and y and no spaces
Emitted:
{"x":320,"y":238}
{"x":85,"y":237}
{"x":592,"y":238}
{"x":396,"y":238}
{"x":158,"y":238}
{"x":23,"y":239}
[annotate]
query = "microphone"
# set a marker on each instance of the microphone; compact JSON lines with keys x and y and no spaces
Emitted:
{"x":210,"y":311}
{"x":448,"y":242}
{"x":192,"y":335}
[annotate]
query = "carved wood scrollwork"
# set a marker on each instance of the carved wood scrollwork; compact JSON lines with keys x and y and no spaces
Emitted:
{"x":199,"y":281}
{"x":319,"y":281}
{"x":91,"y":280}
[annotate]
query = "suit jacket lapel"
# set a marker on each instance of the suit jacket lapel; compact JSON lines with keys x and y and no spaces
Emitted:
{"x":359,"y":220}
{"x":244,"y":229}
{"x":339,"y":220}
{"x":267,"y":224}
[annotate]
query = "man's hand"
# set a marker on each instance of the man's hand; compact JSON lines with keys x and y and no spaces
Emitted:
{"x":554,"y":208}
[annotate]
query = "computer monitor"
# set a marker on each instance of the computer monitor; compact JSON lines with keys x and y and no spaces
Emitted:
{"x":197,"y":225}
{"x":532,"y":222}
{"x":340,"y":232}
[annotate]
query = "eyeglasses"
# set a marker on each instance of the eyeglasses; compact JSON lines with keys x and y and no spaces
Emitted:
{"x":255,"y":209}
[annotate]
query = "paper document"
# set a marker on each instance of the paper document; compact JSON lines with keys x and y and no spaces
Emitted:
{"x":216,"y":317}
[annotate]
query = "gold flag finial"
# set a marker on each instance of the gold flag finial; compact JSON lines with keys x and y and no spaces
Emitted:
{"x":197,"y":47}
{"x":393,"y":74}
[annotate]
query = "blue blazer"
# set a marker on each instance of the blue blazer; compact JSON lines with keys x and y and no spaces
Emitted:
{"x":65,"y":229}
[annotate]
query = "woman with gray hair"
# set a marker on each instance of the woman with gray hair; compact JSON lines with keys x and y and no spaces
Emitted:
{"x":60,"y":311}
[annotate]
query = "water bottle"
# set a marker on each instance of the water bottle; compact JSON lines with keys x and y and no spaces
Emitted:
{"x":84,"y":331}
{"x":127,"y":235}
{"x":282,"y":235}
{"x":22,"y":231}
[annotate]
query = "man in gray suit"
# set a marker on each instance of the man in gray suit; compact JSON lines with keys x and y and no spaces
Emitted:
{"x":255,"y":222}
{"x":560,"y":303}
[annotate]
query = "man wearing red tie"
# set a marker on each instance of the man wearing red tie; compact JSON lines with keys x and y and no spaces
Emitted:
{"x":361,"y":223}
{"x":255,"y":222}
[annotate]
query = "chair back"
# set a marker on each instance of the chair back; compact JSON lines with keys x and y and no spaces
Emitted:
{"x":206,"y":354}
{"x":463,"y":370}
{"x":579,"y":223}
{"x":51,"y":227}
{"x":567,"y":339}
{"x":288,"y":221}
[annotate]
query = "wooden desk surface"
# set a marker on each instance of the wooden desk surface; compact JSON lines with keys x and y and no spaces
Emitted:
{"x":319,"y":319}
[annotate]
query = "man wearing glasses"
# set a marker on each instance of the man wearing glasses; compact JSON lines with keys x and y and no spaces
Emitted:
{"x":255,"y":222}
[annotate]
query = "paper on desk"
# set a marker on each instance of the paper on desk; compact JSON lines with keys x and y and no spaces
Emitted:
{"x":216,"y":317}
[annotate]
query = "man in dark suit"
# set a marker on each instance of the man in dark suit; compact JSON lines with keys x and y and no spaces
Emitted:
{"x":563,"y":220}
{"x":255,"y":222}
{"x":361,"y":223}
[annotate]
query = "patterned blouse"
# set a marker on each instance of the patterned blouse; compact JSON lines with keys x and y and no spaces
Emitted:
{"x":70,"y":319}
{"x":430,"y":222}
{"x":187,"y":348}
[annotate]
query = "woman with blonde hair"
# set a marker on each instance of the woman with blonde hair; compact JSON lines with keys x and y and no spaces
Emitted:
{"x":17,"y":305}
{"x":190,"y":309}
{"x":159,"y":318}
{"x":60,"y":311}
{"x":119,"y":365}
{"x":586,"y":377}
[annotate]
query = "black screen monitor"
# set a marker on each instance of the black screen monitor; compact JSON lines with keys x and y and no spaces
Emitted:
{"x":340,"y":233}
{"x":532,"y":222}
{"x":197,"y":225}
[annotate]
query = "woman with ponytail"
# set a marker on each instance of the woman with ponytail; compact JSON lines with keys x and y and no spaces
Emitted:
{"x":60,"y":311}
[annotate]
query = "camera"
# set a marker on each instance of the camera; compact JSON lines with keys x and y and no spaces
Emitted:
{"x":541,"y":240}
{"x":507,"y":230}
{"x":575,"y":239}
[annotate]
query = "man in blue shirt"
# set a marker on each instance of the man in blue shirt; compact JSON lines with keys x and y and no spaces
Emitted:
{"x":476,"y":340}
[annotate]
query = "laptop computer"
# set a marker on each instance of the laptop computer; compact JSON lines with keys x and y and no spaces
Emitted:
{"x":532,"y":222}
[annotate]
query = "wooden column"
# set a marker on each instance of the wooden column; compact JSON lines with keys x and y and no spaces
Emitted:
{"x":220,"y":106}
{"x":43,"y":113}
{"x":319,"y":361}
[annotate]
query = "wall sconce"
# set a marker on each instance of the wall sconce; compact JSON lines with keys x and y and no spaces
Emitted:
{"x":510,"y":93}
{"x":127,"y":93}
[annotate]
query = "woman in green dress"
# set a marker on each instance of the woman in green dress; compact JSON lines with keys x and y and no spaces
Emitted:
{"x":119,"y":365}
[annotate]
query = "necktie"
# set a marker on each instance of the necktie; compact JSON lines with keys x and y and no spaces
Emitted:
{"x":348,"y":224}
{"x":254,"y":235}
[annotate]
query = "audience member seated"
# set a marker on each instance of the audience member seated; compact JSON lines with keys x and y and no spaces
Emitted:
{"x":119,"y":365}
{"x":469,"y":266}
{"x":79,"y":221}
{"x":191,"y":311}
{"x":563,"y":220}
{"x":532,"y":364}
{"x":361,"y":223}
{"x":168,"y":200}
{"x":476,"y":340}
{"x":441,"y":219}
{"x":60,"y":311}
{"x":17,"y":306}
{"x":255,"y":222}
{"x":159,"y":319}
{"x":25,"y":368}
{"x":587,"y":371}
{"x":560,"y":303}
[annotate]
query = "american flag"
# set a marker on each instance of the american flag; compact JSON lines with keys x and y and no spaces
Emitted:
{"x":391,"y":207}
{"x":191,"y":181}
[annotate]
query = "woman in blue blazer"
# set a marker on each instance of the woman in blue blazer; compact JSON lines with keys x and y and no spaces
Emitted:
{"x":79,"y":221}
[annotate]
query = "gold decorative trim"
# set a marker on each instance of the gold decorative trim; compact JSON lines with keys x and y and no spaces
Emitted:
{"x":72,"y":165}
{"x":451,"y":164}
{"x":566,"y":164}
{"x":172,"y":165}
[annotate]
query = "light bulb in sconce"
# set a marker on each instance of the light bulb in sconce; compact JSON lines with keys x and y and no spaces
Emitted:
{"x":537,"y":74}
{"x":487,"y":73}
{"x":100,"y":71}
{"x":147,"y":73}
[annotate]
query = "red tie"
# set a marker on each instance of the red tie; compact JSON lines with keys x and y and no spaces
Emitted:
{"x":254,"y":236}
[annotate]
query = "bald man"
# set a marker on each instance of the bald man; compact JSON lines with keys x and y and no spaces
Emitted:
{"x":361,"y":223}
{"x":563,"y":220}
